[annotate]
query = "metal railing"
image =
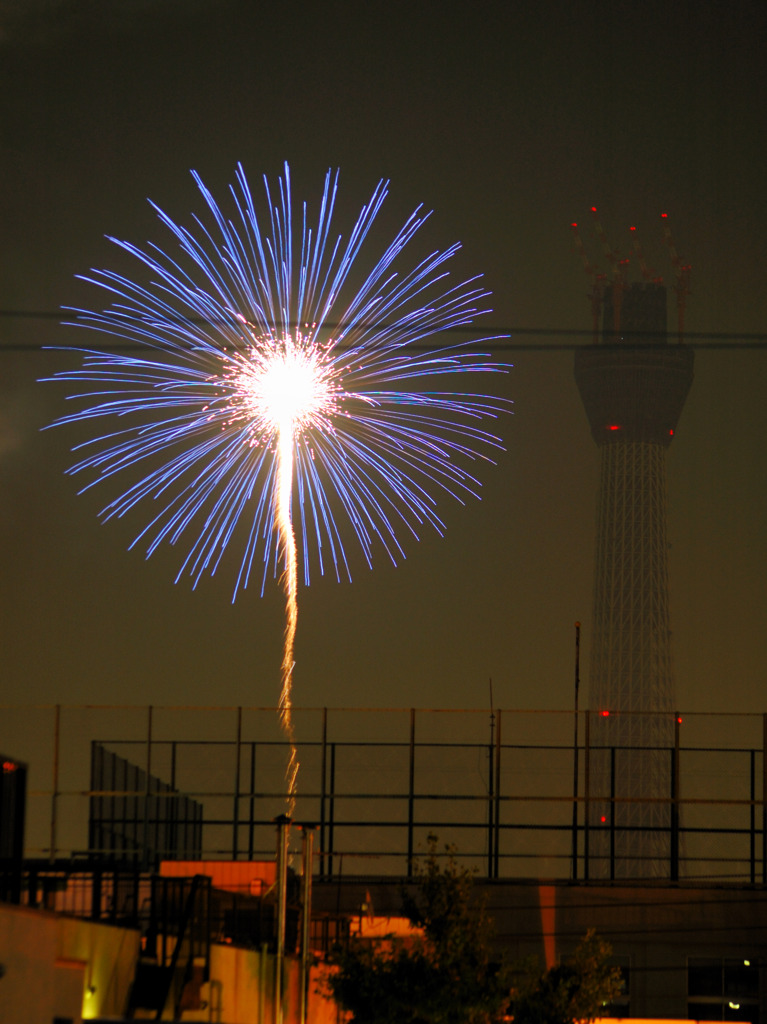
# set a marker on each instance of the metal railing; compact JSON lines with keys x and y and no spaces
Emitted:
{"x":510,"y":789}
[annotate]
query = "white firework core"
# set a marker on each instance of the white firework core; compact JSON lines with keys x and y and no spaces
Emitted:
{"x":284,"y":388}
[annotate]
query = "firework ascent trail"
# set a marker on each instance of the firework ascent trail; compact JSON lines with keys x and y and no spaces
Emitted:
{"x":256,"y":399}
{"x":284,"y":488}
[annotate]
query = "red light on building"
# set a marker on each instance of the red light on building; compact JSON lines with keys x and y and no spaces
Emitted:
{"x":10,"y":766}
{"x":604,"y":818}
{"x":613,"y":426}
{"x":605,"y":714}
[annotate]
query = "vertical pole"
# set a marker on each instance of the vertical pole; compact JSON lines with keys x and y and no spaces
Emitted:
{"x":147,"y":789}
{"x":764,"y":798}
{"x":575,"y":750}
{"x":496,"y":858}
{"x":236,"y":809}
{"x":96,"y":886}
{"x":252,"y":801}
{"x":323,"y":789}
{"x":180,"y":812}
{"x":587,"y":796}
{"x":672,"y":821}
{"x":675,"y":801}
{"x":262,"y":973}
{"x":283,"y":829}
{"x":332,"y":808}
{"x":117,"y":808}
{"x":55,"y":793}
{"x":491,"y":789}
{"x":96,"y":815}
{"x":752,"y":822}
{"x":612,"y":814}
{"x":306,"y":919}
{"x":411,"y":796}
{"x":168,"y":888}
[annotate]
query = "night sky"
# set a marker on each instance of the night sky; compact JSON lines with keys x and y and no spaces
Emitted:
{"x":509,"y":120}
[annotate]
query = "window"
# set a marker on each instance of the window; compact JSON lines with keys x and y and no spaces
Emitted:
{"x":722,"y":989}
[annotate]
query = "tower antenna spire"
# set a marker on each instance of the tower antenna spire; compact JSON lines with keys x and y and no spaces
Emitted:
{"x":682,"y":271}
{"x":619,"y":268}
{"x":648,"y":274}
{"x":598,"y":281}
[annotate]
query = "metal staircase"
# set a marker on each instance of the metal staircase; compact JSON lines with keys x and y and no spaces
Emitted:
{"x":175,"y":959}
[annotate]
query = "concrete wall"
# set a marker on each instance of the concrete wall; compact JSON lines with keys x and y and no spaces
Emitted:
{"x":241,"y":991}
{"x":62,"y":967}
{"x":55,"y":966}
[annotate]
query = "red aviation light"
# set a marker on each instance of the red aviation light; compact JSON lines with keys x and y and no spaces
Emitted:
{"x":604,"y":818}
{"x":10,"y":766}
{"x":604,"y":714}
{"x":613,"y":426}
{"x":671,"y":433}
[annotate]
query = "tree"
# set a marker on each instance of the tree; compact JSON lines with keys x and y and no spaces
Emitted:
{"x":445,"y":974}
{"x":448,"y":973}
{"x":576,"y":989}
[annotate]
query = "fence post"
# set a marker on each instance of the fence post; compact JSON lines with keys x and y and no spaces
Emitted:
{"x":323,"y":789}
{"x":332,"y":809}
{"x":497,"y":837}
{"x":147,"y":789}
{"x":675,"y":802}
{"x":235,"y":818}
{"x":411,"y":796}
{"x":55,"y":793}
{"x":96,"y":886}
{"x":306,"y":920}
{"x":575,"y":750}
{"x":491,"y":793}
{"x":252,"y":798}
{"x":752,"y":816}
{"x":612,"y":814}
{"x":586,"y":796}
{"x":764,"y":798}
{"x":283,"y":830}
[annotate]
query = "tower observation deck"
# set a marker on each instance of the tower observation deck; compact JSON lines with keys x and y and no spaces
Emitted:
{"x":633,"y":385}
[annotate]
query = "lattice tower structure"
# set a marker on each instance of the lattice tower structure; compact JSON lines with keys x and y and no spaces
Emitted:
{"x":633,"y":385}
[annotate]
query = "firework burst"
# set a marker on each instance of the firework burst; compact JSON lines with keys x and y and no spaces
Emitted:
{"x":252,"y":386}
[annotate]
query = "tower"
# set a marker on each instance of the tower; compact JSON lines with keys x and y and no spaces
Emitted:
{"x":633,"y":385}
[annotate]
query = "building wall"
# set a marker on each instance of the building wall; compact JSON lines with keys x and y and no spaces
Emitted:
{"x":241,"y":991}
{"x":56,"y":966}
{"x":654,"y":930}
{"x":62,"y":967}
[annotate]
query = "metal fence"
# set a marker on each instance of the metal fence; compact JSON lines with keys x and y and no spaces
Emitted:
{"x":509,"y":789}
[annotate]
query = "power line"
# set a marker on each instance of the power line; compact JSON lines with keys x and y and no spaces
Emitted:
{"x":499,"y":338}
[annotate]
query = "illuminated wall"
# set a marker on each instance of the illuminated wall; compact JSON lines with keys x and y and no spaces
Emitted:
{"x":55,"y":966}
{"x":62,"y":967}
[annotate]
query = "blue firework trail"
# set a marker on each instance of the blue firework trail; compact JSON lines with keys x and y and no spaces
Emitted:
{"x":253,"y":386}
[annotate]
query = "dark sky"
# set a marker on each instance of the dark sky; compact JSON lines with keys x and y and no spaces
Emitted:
{"x":509,"y":120}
